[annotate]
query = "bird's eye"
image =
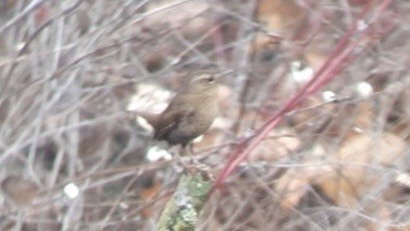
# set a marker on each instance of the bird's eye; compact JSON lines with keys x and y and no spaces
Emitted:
{"x":211,"y":79}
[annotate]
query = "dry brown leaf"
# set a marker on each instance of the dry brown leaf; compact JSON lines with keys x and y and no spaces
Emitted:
{"x":280,"y":15}
{"x":353,"y":175}
{"x":147,"y":194}
{"x":276,"y":147}
{"x":291,"y":189}
{"x":332,"y":119}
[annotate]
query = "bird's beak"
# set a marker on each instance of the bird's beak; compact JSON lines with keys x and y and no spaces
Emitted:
{"x":224,"y":74}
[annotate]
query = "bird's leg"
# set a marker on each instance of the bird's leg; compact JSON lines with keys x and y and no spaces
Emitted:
{"x":193,"y":161}
{"x":193,"y":164}
{"x":187,"y":158}
{"x":191,"y":149}
{"x":178,"y":162}
{"x":184,"y":150}
{"x":179,"y":158}
{"x":187,"y":149}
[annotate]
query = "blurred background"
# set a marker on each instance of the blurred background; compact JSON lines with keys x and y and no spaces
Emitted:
{"x":74,"y":156}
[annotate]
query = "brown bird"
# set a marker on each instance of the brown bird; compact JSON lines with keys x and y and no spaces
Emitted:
{"x":191,"y":112}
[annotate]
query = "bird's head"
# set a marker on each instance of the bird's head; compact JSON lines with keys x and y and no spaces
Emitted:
{"x":203,"y":82}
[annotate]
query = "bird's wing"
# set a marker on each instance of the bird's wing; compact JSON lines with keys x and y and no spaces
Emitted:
{"x":171,"y":119}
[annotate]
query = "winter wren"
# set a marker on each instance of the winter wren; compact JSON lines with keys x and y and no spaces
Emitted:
{"x":191,"y":112}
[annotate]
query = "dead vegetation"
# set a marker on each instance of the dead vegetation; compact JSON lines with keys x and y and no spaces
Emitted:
{"x":72,"y":157}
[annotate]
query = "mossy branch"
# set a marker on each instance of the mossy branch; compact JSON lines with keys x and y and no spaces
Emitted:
{"x":184,"y":208}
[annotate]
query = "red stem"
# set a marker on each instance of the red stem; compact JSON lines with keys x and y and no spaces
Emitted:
{"x":341,"y":55}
